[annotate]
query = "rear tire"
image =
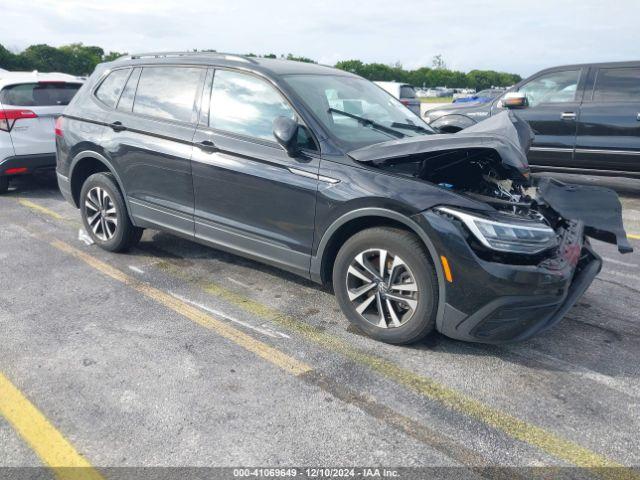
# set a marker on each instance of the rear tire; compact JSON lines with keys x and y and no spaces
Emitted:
{"x":386,"y":285}
{"x":104,"y":214}
{"x":4,"y":184}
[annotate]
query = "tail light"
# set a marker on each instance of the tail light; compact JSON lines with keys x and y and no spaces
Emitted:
{"x":405,"y":102}
{"x":58,"y":127}
{"x":9,"y":117}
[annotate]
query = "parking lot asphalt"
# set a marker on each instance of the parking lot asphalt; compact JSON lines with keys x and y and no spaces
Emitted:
{"x":180,"y":355}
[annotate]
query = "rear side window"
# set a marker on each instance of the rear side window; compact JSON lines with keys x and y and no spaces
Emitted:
{"x":39,"y":94}
{"x":407,"y":91}
{"x":168,"y":92}
{"x":110,"y":89}
{"x":245,"y":104}
{"x":617,"y":85}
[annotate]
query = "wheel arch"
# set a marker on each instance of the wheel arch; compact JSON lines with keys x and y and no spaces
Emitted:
{"x":361,"y":219}
{"x":86,"y":163}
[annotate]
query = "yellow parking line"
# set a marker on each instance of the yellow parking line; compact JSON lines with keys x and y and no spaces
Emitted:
{"x":429,"y":388}
{"x":39,"y":208}
{"x":633,"y":235}
{"x":49,"y":444}
{"x":261,"y":349}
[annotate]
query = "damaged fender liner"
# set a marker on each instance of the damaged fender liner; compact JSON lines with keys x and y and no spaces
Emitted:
{"x":597,"y":207}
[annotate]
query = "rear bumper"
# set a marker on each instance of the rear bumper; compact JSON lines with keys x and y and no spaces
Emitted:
{"x":65,"y":188}
{"x":30,"y":162}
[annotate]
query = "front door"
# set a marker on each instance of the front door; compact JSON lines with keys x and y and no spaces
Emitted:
{"x":250,"y":196}
{"x":609,"y":124}
{"x":552,"y":112}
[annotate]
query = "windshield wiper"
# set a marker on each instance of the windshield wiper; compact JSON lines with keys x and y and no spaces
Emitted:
{"x":411,"y":126}
{"x":369,"y":122}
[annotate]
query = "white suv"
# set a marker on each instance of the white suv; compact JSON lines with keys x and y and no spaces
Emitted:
{"x":30,"y":102}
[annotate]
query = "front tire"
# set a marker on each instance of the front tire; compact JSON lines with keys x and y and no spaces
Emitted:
{"x":104,"y":214}
{"x":386,"y":285}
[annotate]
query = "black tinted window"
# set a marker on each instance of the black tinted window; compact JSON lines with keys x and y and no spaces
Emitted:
{"x":111,"y":88}
{"x":617,"y":84}
{"x":245,"y":104}
{"x":407,"y":92}
{"x":168,"y":92}
{"x":41,"y":94}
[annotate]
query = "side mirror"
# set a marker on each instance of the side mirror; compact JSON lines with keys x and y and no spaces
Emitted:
{"x":286,"y":132}
{"x":514,"y":100}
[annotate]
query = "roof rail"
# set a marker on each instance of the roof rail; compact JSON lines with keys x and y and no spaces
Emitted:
{"x":226,"y":56}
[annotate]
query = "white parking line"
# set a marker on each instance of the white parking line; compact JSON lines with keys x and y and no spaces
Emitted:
{"x":620,"y":262}
{"x":136,"y":269}
{"x":265,"y":331}
{"x":621,"y":274}
{"x":577,"y":370}
{"x":238,"y":282}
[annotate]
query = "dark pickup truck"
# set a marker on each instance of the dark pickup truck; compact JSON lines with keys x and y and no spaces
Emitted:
{"x":586,"y":118}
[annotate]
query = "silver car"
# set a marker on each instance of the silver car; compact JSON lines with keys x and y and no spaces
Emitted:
{"x":30,"y":102}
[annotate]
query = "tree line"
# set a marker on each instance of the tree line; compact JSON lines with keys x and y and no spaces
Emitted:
{"x":79,"y":59}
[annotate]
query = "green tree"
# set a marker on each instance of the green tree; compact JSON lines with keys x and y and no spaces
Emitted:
{"x":111,"y":56}
{"x":438,"y":63}
{"x":45,"y":58}
{"x":80,"y":59}
{"x":299,"y":59}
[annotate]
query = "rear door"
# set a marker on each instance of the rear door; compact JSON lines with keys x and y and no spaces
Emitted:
{"x":150,"y":143}
{"x":554,"y":102}
{"x":250,"y":196}
{"x":36,"y":106}
{"x":609,"y":124}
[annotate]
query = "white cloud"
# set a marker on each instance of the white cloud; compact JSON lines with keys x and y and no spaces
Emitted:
{"x":520,"y":36}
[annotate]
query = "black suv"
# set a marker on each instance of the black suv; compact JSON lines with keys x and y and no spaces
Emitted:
{"x":586,"y":118}
{"x":322,"y":173}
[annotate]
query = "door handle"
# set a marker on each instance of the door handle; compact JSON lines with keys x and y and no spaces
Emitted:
{"x":117,"y":127}
{"x":207,"y":145}
{"x":568,"y":116}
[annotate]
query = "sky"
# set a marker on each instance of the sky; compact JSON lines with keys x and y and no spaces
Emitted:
{"x":519,"y":36}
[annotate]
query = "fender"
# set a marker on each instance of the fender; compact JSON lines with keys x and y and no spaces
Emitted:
{"x":316,"y":261}
{"x":92,"y":154}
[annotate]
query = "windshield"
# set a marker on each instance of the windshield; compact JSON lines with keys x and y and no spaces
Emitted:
{"x":355,"y":111}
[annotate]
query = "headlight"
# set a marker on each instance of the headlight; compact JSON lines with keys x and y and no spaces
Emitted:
{"x":507,"y":236}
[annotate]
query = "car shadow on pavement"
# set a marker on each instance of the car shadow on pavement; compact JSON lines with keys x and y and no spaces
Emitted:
{"x":39,"y":185}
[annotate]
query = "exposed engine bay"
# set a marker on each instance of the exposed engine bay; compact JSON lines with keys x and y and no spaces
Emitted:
{"x":487,"y":162}
{"x":477,"y":173}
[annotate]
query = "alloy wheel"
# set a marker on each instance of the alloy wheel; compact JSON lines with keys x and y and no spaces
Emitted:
{"x":101,"y":213}
{"x":382,"y":288}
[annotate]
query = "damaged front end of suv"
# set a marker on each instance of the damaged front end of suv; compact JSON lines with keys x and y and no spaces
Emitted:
{"x":515,"y":266}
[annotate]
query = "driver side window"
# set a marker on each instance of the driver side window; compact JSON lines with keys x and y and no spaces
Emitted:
{"x":555,"y":87}
{"x":248,"y":105}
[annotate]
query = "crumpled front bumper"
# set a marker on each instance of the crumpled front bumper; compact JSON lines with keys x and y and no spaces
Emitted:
{"x":491,"y":302}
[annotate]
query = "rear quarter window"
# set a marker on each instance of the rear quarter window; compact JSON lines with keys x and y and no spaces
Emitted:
{"x":39,"y":94}
{"x":111,"y":87}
